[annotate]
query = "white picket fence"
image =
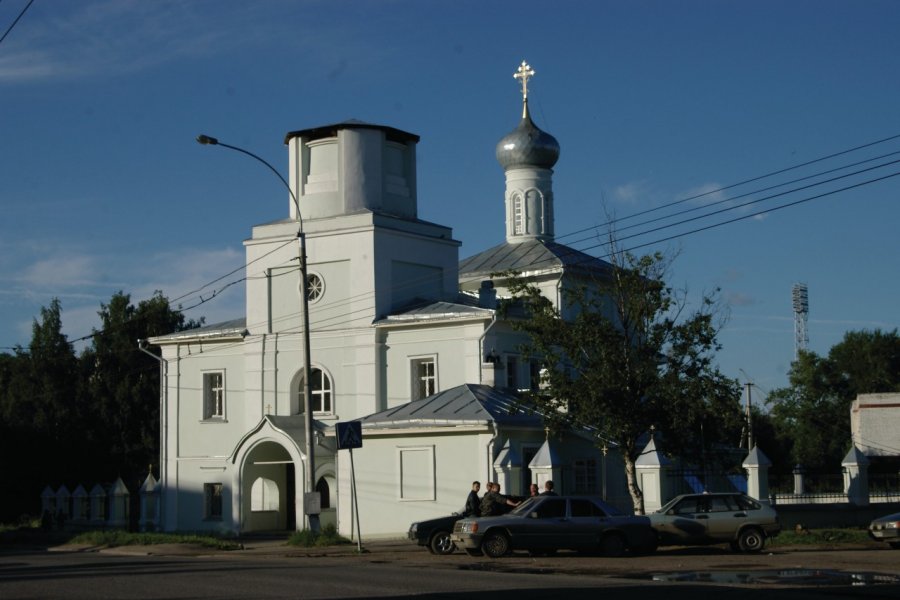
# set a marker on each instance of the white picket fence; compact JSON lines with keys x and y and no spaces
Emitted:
{"x":104,"y":506}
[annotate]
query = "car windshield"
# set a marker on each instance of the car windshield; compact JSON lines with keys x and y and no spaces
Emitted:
{"x":669,"y":504}
{"x":525,"y":507}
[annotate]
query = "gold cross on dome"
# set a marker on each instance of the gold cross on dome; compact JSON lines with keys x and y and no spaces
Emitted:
{"x":525,"y":72}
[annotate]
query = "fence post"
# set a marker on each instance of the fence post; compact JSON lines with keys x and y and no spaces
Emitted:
{"x":856,"y":479}
{"x":651,"y":467}
{"x":799,"y":484}
{"x":757,"y":465}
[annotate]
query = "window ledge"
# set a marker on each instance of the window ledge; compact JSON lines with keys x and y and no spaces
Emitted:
{"x":213,"y":420}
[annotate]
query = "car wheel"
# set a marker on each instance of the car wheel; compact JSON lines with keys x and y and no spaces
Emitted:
{"x":441,"y":543}
{"x":894,"y":545}
{"x":751,"y":540}
{"x":612,"y":544}
{"x":495,"y":544}
{"x":474,"y":552}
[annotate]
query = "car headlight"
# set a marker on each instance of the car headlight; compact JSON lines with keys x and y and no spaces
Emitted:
{"x":892,"y":525}
{"x":414,"y":528}
{"x":470,"y":527}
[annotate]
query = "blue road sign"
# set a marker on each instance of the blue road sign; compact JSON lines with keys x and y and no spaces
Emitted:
{"x":349,"y":435}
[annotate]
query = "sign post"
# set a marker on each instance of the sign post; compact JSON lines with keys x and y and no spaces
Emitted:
{"x":349,"y":436}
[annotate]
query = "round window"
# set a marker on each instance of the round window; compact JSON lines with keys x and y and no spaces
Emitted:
{"x":315,"y":287}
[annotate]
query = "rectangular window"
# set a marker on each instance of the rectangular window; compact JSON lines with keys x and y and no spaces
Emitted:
{"x":534,"y":375}
{"x":214,"y":395}
{"x":212,"y":496}
{"x":417,"y":474}
{"x":424,"y":377}
{"x":585,"y":471}
{"x":512,"y":372}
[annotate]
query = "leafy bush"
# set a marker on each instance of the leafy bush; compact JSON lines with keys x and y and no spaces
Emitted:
{"x":328,"y":536}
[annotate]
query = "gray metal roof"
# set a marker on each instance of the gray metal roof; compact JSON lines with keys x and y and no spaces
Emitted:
{"x":436,"y":311}
{"x":531,"y":255}
{"x":223,"y":329}
{"x":332,"y":129}
{"x":467,"y":404}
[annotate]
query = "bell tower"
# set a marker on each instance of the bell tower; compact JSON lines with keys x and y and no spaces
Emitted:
{"x":527,"y":156}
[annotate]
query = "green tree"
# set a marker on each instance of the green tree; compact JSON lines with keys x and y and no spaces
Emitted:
{"x":41,"y":412}
{"x":123,"y":382}
{"x":811,"y":416}
{"x":623,"y":357}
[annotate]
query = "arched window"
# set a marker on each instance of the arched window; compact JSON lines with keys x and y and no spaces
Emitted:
{"x":518,"y":209}
{"x":321,"y":400}
{"x":263,"y":495}
{"x":324,"y":493}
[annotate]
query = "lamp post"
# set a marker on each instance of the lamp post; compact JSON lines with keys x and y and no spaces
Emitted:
{"x":307,"y":368}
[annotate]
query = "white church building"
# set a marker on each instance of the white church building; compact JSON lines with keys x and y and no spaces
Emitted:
{"x":404,"y":338}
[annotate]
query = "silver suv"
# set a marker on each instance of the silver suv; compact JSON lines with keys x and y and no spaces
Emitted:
{"x":697,"y":519}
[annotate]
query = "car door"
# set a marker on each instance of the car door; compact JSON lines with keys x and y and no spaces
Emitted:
{"x":587,"y":521}
{"x":725,"y":518}
{"x":684,"y":523}
{"x":543,"y":527}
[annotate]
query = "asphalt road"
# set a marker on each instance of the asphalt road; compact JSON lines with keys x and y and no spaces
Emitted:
{"x":398,"y":570}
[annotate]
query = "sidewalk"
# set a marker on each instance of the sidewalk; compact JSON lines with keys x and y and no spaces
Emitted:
{"x":258,"y":547}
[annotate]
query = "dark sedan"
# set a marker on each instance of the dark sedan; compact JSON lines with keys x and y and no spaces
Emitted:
{"x":545,"y":524}
{"x":434,"y":534}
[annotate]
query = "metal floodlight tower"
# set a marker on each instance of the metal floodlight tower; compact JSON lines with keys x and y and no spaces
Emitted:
{"x":800,"y":297}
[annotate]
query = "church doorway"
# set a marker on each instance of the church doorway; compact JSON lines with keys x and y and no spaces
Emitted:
{"x":291,"y":492}
{"x":269,"y":490}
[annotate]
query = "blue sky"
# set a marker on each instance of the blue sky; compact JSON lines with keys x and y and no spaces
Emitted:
{"x":104,"y":189}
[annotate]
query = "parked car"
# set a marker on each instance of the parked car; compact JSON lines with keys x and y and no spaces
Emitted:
{"x":698,"y":519}
{"x":545,"y":524}
{"x":886,"y":529}
{"x":434,"y":534}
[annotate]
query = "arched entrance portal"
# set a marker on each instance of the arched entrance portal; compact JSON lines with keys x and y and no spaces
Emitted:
{"x":269,"y":489}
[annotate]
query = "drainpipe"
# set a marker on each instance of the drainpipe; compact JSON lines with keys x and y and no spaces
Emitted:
{"x":481,"y":345}
{"x":490,"y":451}
{"x":163,"y":428}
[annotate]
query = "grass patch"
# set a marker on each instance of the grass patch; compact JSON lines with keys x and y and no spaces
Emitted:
{"x":820,"y":537}
{"x":308,"y":539}
{"x":115,"y":537}
{"x":30,"y":533}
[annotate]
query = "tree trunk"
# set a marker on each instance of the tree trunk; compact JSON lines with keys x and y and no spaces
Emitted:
{"x":637,"y":496}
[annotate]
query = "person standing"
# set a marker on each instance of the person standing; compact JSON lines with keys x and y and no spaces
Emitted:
{"x":533,"y":490}
{"x":494,"y":503}
{"x":548,"y":489}
{"x":473,"y":502}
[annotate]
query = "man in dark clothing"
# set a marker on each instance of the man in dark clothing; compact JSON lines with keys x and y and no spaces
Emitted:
{"x":473,"y":502}
{"x":494,"y":503}
{"x":548,"y":489}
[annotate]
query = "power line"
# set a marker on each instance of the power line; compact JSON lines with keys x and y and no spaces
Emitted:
{"x":21,"y":14}
{"x":216,"y":293}
{"x":734,"y":185}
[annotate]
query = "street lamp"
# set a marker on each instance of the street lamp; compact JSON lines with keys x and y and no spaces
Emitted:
{"x":307,"y":369}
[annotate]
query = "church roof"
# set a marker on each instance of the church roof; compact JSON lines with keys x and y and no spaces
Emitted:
{"x":435,"y":311}
{"x":331,"y":131}
{"x":224,"y":329}
{"x":530,"y":255}
{"x":467,"y":404}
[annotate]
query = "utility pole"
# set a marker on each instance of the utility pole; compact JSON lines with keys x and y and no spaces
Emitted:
{"x":749,"y":419}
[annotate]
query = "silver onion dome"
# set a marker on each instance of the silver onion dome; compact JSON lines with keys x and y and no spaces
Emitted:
{"x":527,"y":146}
